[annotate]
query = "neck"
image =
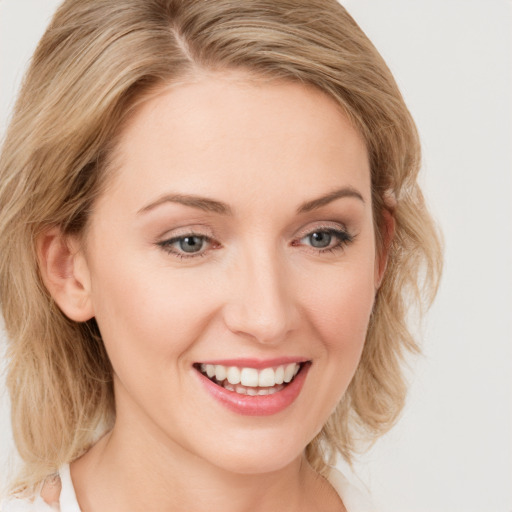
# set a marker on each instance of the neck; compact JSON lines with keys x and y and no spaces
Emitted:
{"x":152,"y":475}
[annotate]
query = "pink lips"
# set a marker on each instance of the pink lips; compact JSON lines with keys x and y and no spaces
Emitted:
{"x":265,"y":405}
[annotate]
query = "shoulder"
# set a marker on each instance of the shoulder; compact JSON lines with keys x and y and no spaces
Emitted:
{"x":30,"y":504}
{"x":45,"y":500}
{"x":355,"y":497}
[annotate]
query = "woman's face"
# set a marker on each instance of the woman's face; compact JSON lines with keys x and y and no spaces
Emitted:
{"x":234,"y":241}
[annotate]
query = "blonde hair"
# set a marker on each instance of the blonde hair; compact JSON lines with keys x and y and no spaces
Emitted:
{"x":96,"y":61}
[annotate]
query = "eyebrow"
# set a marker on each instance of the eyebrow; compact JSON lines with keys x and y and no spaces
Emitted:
{"x":201,"y":203}
{"x":211,"y":205}
{"x":339,"y":193}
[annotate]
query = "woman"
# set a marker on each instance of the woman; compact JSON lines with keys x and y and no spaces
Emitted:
{"x":211,"y":235}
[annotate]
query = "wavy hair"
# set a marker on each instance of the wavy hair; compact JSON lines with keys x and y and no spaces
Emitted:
{"x":96,"y":62}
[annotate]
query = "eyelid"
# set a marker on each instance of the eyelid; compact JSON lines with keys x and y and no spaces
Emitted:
{"x":322,"y":226}
{"x":187,"y":230}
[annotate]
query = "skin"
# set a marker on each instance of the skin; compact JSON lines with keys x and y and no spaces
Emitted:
{"x":260,"y":290}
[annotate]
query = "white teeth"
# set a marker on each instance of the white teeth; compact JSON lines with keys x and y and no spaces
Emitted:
{"x":233,"y":375}
{"x":267,"y":378}
{"x":279,"y":377}
{"x":241,"y":390}
{"x":210,"y":370}
{"x":220,"y":372}
{"x":289,"y":372}
{"x":251,"y":377}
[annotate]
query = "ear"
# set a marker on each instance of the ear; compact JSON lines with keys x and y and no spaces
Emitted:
{"x":65,"y":273}
{"x":387,"y":235}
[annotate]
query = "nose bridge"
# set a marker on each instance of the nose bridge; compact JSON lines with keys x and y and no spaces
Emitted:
{"x":262,"y":304}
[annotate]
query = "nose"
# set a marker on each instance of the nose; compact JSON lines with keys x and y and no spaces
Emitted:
{"x":261,"y":303}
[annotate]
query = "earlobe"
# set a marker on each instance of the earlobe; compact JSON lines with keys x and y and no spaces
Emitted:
{"x":383,"y":256}
{"x":65,"y":274}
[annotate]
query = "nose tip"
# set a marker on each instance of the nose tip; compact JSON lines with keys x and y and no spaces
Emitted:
{"x":268,"y":327}
{"x":262,"y":305}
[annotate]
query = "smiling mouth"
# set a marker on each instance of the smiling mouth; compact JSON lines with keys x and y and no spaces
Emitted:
{"x":251,"y":381}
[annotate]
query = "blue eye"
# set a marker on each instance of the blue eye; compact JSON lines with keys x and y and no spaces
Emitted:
{"x":186,"y":246}
{"x":320,"y":239}
{"x":327,"y":240}
{"x":191,"y":244}
{"x":194,"y":245}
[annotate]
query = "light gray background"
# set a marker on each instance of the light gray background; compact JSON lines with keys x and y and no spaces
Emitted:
{"x":452,"y":449}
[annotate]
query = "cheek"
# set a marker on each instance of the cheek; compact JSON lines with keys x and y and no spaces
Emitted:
{"x":338,"y":309}
{"x":340,"y":305}
{"x":144,"y":316}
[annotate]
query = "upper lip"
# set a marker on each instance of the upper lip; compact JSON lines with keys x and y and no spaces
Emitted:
{"x":255,"y":363}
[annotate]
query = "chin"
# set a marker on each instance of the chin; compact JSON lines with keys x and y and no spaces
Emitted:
{"x":259,"y":465}
{"x":258,"y":453}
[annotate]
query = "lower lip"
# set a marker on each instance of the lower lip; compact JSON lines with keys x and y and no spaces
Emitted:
{"x":259,"y":405}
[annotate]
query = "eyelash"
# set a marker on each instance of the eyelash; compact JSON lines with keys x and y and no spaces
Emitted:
{"x":166,"y":245}
{"x":344,"y":239}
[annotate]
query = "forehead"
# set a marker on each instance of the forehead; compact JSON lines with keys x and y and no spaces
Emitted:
{"x":226,"y":135}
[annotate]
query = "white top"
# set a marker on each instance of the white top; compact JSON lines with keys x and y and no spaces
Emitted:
{"x":354,"y":498}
